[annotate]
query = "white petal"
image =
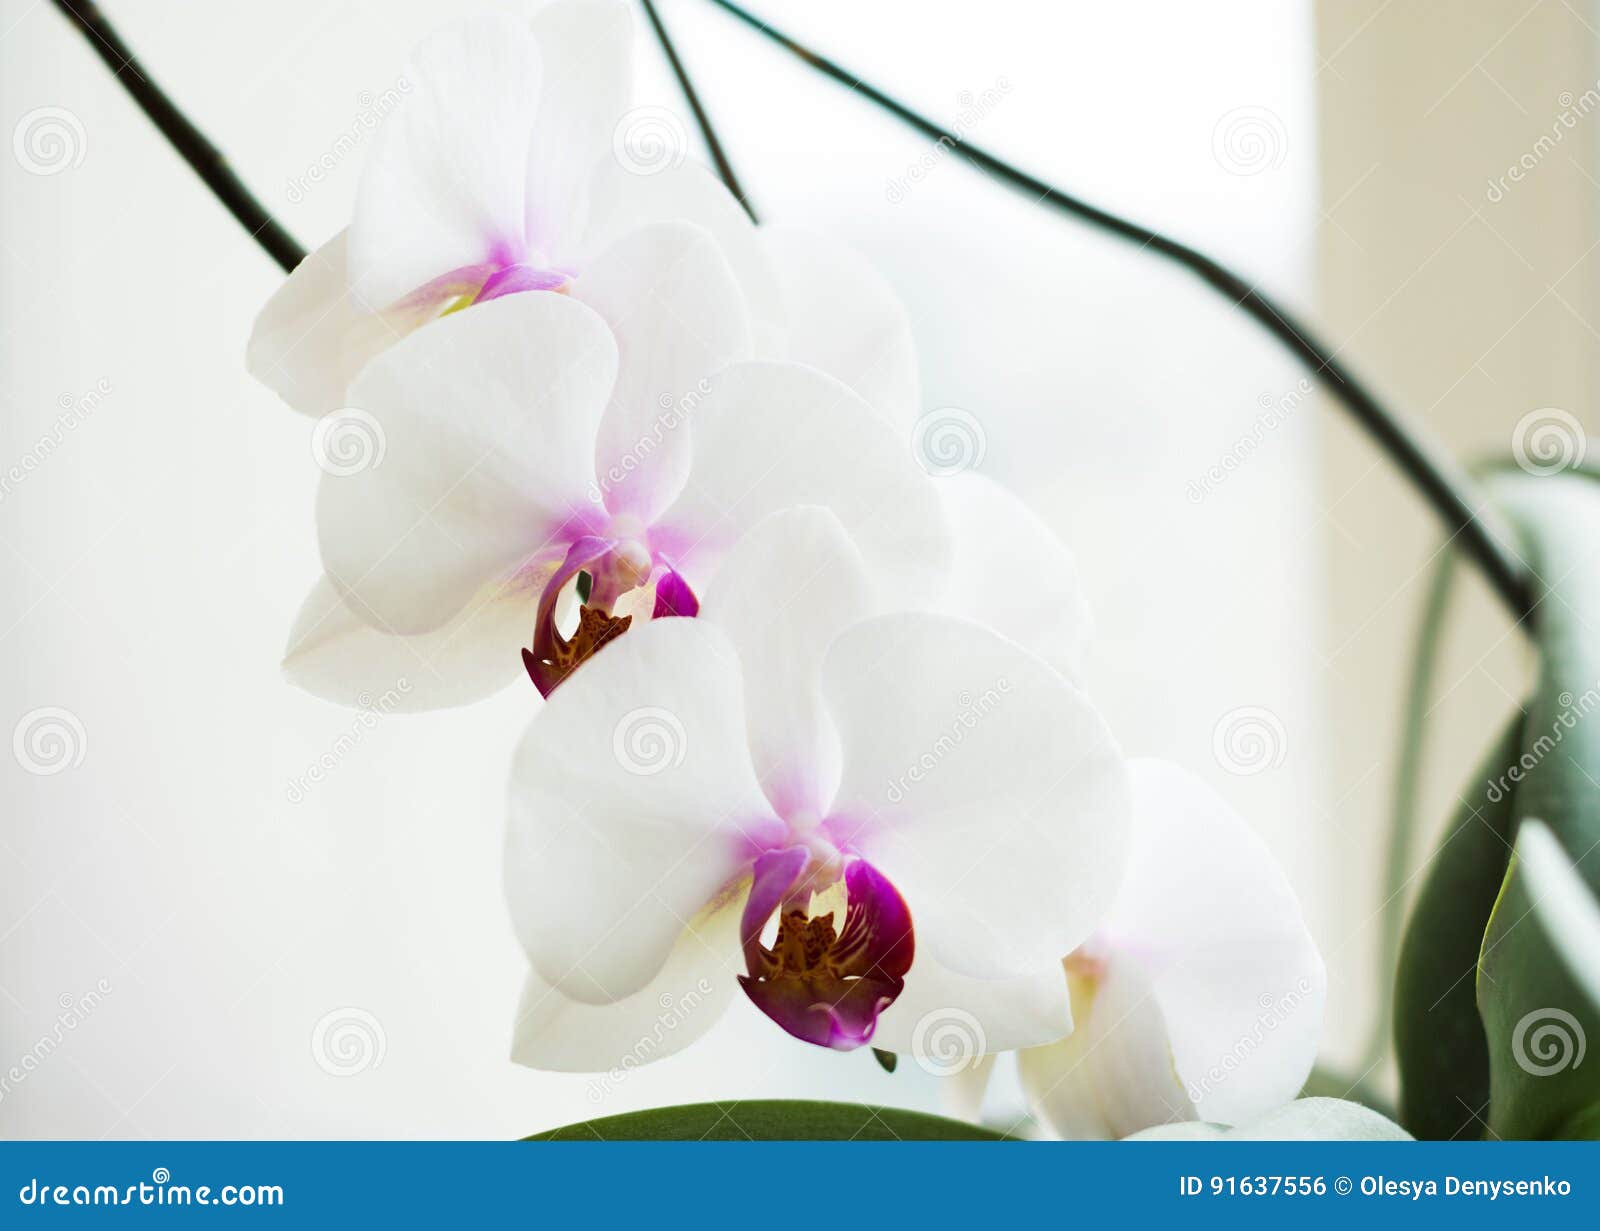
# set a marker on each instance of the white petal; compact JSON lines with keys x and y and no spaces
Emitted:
{"x":1113,"y":1075}
{"x":1563,"y":903}
{"x":1307,"y":1119}
{"x":483,"y":427}
{"x":444,"y":186}
{"x":311,"y":339}
{"x":770,"y":436}
{"x":621,"y":201}
{"x":944,"y":1019}
{"x":670,"y":298}
{"x":785,"y":591}
{"x":336,"y":655}
{"x":1011,"y":571}
{"x":986,"y":788}
{"x":1217,"y":932}
{"x":843,"y":317}
{"x":684,"y":1000}
{"x":586,"y":51}
{"x":632,"y":807}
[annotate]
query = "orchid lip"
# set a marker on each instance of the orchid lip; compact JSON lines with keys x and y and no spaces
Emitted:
{"x":824,"y":984}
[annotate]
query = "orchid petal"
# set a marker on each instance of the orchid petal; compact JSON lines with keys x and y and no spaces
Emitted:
{"x":443,"y":187}
{"x":586,"y":51}
{"x":311,"y":339}
{"x":685,"y":999}
{"x":844,"y":318}
{"x":785,"y":591}
{"x":1113,"y":1075}
{"x":633,"y":808}
{"x":1306,"y":1119}
{"x":336,"y":655}
{"x":1010,"y":571}
{"x":946,"y":1021}
{"x":670,"y":298}
{"x":770,"y":436}
{"x":1226,"y":953}
{"x":621,"y":201}
{"x":487,"y":421}
{"x":983,"y":783}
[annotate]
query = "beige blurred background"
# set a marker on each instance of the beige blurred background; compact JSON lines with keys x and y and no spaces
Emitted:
{"x":1248,"y":579}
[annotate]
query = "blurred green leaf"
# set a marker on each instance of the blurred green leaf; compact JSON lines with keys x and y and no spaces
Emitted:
{"x":1440,"y":1046}
{"x":771,"y":1120}
{"x":1527,"y":984}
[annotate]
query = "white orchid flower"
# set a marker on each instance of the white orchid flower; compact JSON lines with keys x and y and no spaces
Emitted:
{"x":1200,"y":998}
{"x":526,"y":443}
{"x":852,"y":809}
{"x":496,"y":175}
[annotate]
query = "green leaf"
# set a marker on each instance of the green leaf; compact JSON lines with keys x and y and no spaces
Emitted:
{"x":1440,"y":1046}
{"x":887,"y":1060}
{"x":1526,"y":975}
{"x":771,"y":1120}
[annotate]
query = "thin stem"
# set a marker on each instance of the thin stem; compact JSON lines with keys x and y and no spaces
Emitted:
{"x":188,"y":140}
{"x":718,"y":156}
{"x":1447,"y":487}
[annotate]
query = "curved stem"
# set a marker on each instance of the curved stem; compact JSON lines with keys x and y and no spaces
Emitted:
{"x":713,"y":145}
{"x":1447,"y":487}
{"x":203,"y":157}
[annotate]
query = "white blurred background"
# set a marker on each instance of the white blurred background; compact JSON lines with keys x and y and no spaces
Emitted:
{"x":150,"y":563}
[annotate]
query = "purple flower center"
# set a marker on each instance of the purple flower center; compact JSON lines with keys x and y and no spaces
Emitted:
{"x":823,"y":982}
